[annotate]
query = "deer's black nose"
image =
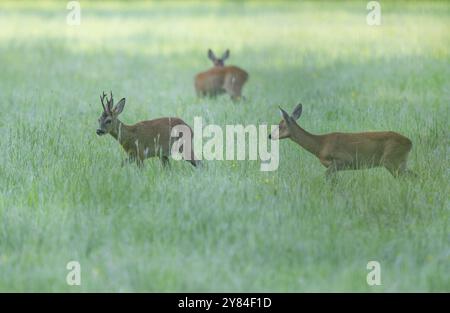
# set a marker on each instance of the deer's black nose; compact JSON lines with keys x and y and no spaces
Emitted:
{"x":100,"y":132}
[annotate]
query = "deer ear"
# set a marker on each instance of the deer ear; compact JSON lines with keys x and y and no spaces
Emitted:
{"x":226,"y":55}
{"x":119,"y":106}
{"x":285,"y":116}
{"x":297,"y":112}
{"x":211,"y":55}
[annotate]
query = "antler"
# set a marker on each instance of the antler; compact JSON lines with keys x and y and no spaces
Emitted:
{"x":102,"y":99}
{"x":111,"y":101}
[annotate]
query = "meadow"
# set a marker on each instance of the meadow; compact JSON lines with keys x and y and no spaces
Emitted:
{"x":226,"y":226}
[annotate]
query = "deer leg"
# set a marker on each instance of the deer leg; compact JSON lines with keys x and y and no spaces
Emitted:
{"x":233,"y":88}
{"x":333,"y":168}
{"x":212,"y":94}
{"x":201,"y":93}
{"x":165,"y":161}
{"x":124,"y":162}
{"x":235,"y":95}
{"x":400,"y":170}
{"x":139,"y":162}
{"x":410,"y":173}
{"x":395,"y":162}
{"x":132,"y":158}
{"x":395,"y":158}
{"x":235,"y":98}
{"x":330,"y":173}
{"x":129,"y":160}
{"x":393,"y":168}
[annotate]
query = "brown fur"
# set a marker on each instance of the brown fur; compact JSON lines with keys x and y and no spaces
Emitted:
{"x":349,"y":151}
{"x":149,"y":139}
{"x":145,"y":139}
{"x":221,"y":79}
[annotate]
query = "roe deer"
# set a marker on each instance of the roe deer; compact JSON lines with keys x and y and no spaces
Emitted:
{"x":220,"y":78}
{"x":348,"y":151}
{"x":143,"y":140}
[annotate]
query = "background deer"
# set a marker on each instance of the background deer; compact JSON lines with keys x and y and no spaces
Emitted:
{"x":348,"y":151}
{"x":143,"y":140}
{"x":220,"y":78}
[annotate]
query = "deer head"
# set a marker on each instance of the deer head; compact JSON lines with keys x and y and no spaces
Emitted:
{"x":108,"y":120}
{"x":284,"y":125}
{"x":215,"y":60}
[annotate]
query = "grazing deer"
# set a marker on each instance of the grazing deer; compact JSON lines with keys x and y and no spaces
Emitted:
{"x":348,"y":151}
{"x":220,"y":78}
{"x":143,"y":140}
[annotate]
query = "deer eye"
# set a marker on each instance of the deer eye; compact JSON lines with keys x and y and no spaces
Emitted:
{"x":107,"y":121}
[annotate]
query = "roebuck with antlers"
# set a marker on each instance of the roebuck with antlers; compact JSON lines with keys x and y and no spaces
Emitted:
{"x":348,"y":151}
{"x":145,"y":139}
{"x":220,"y":78}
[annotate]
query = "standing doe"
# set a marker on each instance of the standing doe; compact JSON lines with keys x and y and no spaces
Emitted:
{"x":348,"y":151}
{"x":220,"y":78}
{"x":145,"y":139}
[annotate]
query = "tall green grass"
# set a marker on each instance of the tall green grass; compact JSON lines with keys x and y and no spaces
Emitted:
{"x":227,"y":226}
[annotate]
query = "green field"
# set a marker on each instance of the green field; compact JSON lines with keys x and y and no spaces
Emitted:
{"x":226,"y":226}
